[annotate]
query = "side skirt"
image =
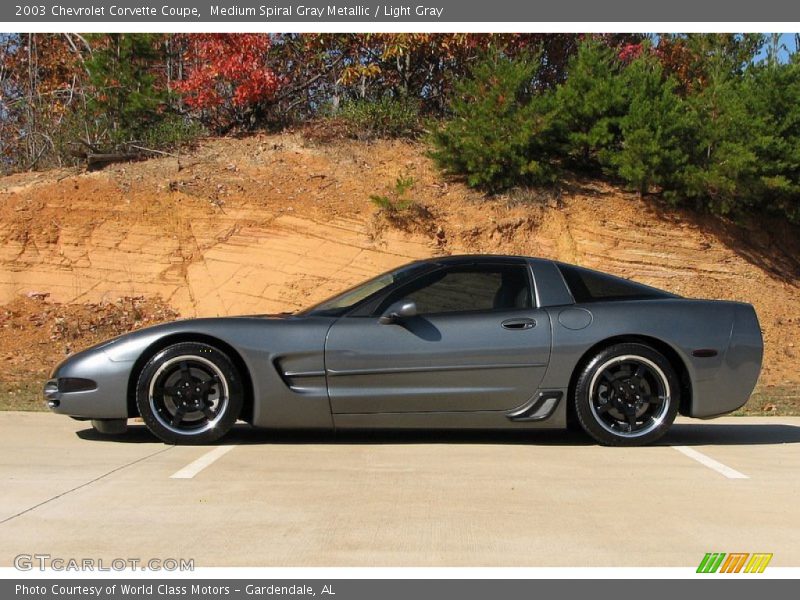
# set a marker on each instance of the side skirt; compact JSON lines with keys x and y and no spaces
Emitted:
{"x":557,"y":419}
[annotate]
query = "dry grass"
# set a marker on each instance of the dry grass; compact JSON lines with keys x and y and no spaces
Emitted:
{"x":22,"y":395}
{"x":773,"y":400}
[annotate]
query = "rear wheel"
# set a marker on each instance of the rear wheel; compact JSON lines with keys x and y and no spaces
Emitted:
{"x":189,"y":393}
{"x":627,"y":395}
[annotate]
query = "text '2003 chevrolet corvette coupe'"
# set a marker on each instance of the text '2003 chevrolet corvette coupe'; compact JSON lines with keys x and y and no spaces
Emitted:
{"x":467,"y":342}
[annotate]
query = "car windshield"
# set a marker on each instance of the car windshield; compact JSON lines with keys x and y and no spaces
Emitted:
{"x":346,"y":300}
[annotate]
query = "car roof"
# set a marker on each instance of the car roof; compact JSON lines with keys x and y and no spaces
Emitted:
{"x":461,"y":259}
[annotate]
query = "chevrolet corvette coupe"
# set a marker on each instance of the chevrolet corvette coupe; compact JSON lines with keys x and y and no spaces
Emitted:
{"x":466,"y":342}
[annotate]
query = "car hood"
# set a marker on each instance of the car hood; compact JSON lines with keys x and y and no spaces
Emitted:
{"x":231,"y":330}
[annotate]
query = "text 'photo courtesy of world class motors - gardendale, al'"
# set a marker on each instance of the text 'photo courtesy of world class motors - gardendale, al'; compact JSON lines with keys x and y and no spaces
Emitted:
{"x":428,"y":271}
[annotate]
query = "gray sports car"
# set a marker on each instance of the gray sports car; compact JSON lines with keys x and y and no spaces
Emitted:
{"x":467,"y":342}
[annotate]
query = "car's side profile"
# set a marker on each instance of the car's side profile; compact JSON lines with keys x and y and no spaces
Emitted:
{"x":481,"y":342}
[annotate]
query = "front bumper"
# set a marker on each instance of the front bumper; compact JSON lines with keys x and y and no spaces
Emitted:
{"x":89,"y":385}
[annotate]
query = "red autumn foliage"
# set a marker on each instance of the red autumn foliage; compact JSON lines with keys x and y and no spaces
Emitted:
{"x":630,"y":52}
{"x":228,"y":69}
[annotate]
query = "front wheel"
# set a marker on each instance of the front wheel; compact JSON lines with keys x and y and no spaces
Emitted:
{"x":189,"y":393}
{"x":627,"y":395}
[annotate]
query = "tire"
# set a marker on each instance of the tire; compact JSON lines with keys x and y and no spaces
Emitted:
{"x":627,"y":395}
{"x":189,"y":393}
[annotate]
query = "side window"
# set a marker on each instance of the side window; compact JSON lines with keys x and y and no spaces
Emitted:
{"x":467,"y":289}
{"x":592,"y":286}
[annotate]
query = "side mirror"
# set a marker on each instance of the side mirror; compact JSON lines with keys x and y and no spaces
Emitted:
{"x":397,"y":312}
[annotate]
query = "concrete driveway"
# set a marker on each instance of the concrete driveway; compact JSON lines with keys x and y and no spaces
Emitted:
{"x":401,"y":499}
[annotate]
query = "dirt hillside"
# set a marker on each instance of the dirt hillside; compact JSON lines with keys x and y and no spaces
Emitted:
{"x":276,"y":222}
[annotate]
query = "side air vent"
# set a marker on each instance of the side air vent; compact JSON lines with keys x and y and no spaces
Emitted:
{"x":538,"y":408}
{"x":300,"y":380}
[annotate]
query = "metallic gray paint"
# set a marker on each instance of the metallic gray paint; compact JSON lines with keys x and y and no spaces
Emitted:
{"x":375,"y":368}
{"x":459,"y":370}
{"x":549,"y":285}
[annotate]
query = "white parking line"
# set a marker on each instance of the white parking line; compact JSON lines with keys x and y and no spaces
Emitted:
{"x":193,"y":468}
{"x":711,"y":463}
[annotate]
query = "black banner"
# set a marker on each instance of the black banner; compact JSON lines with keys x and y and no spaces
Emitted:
{"x":394,"y":589}
{"x":446,"y":11}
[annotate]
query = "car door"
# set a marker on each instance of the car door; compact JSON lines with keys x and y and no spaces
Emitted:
{"x":477,"y":343}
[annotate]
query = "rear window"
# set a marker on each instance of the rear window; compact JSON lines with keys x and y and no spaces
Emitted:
{"x":591,"y":286}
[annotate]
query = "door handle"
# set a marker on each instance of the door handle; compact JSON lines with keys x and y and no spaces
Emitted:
{"x":519,"y":323}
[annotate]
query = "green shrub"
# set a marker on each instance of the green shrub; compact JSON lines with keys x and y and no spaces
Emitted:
{"x":172,"y":132}
{"x":723,"y":170}
{"x":590,"y":104}
{"x":654,"y":131}
{"x":497,"y":136}
{"x":773,"y":93}
{"x":384,"y":118}
{"x":397,"y":200}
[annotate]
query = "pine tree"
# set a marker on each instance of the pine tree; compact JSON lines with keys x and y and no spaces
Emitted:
{"x":590,"y":104}
{"x":773,"y":94}
{"x":655,"y":129}
{"x":497,"y":135}
{"x":126,"y":96}
{"x":723,"y":174}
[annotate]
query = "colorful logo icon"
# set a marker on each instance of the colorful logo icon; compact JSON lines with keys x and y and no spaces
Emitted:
{"x":735,"y":562}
